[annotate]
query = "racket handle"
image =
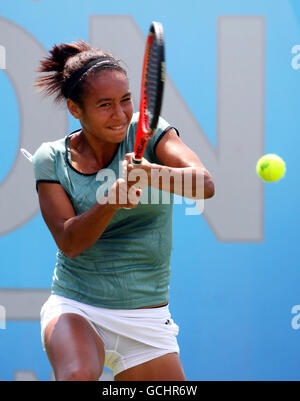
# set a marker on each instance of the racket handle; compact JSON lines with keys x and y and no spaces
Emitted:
{"x":136,"y":161}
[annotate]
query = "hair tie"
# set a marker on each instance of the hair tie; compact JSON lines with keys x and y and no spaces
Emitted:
{"x":75,"y":77}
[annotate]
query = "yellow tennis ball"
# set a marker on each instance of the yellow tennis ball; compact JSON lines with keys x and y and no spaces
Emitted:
{"x":270,"y":167}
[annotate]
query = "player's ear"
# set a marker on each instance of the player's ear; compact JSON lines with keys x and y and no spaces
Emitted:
{"x":74,"y":109}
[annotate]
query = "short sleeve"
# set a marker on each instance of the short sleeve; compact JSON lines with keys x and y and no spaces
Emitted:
{"x":44,"y":164}
{"x":162,"y":128}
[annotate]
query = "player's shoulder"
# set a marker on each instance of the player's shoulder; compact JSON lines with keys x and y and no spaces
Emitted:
{"x":48,"y":150}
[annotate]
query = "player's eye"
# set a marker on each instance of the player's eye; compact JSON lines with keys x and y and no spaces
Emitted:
{"x":102,"y":105}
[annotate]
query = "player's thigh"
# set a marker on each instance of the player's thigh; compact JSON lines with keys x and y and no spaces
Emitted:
{"x":74,"y":349}
{"x":164,"y":368}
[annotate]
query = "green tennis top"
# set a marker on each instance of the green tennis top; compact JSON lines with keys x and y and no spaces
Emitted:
{"x":129,"y":265}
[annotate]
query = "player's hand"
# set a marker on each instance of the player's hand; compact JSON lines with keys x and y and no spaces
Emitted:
{"x":136,"y":174}
{"x":122,"y":195}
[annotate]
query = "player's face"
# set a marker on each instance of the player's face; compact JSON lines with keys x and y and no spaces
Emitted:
{"x":107,"y":108}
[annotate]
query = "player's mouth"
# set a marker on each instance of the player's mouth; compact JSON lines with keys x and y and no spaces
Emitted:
{"x":118,"y":127}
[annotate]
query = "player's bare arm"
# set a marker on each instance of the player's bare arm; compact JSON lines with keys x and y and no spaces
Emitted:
{"x":188,"y":176}
{"x":74,"y":234}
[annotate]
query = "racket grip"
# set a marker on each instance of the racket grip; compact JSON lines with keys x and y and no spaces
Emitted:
{"x":136,"y":161}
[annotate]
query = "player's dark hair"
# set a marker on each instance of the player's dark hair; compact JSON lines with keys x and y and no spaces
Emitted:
{"x":69,"y":65}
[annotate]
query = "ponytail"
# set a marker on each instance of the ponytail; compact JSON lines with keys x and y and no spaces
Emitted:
{"x":68,"y":66}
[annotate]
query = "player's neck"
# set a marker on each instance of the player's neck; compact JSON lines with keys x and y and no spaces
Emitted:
{"x":91,"y":146}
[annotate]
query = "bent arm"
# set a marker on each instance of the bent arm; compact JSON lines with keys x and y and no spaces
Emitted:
{"x":191,"y":178}
{"x":182,"y":172}
{"x":74,"y":234}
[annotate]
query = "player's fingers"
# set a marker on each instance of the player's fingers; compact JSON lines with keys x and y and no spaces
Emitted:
{"x":128,"y":196}
{"x":134,"y":195}
{"x":128,"y":157}
{"x":125,"y":168}
{"x":122,"y":192}
{"x":129,"y":167}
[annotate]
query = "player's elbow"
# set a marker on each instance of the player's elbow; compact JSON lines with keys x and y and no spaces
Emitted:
{"x":70,"y":254}
{"x":68,"y":248}
{"x":71,"y":250}
{"x":67,"y":251}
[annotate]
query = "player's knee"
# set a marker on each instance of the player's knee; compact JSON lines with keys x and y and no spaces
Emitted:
{"x":79,"y":374}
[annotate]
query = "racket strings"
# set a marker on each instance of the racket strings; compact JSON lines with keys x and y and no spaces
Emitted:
{"x":153,"y":80}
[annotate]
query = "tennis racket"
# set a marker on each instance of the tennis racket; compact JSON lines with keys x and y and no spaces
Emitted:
{"x":153,"y":78}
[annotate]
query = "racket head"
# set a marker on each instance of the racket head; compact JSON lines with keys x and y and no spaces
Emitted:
{"x":153,"y":79}
{"x":155,"y":75}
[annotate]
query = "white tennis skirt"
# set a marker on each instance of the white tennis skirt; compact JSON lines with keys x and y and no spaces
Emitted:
{"x":130,"y":337}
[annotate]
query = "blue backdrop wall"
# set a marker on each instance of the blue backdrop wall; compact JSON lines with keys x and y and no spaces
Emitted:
{"x":233,"y":91}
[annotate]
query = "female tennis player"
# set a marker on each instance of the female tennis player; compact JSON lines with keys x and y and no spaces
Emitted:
{"x":110,"y":290}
